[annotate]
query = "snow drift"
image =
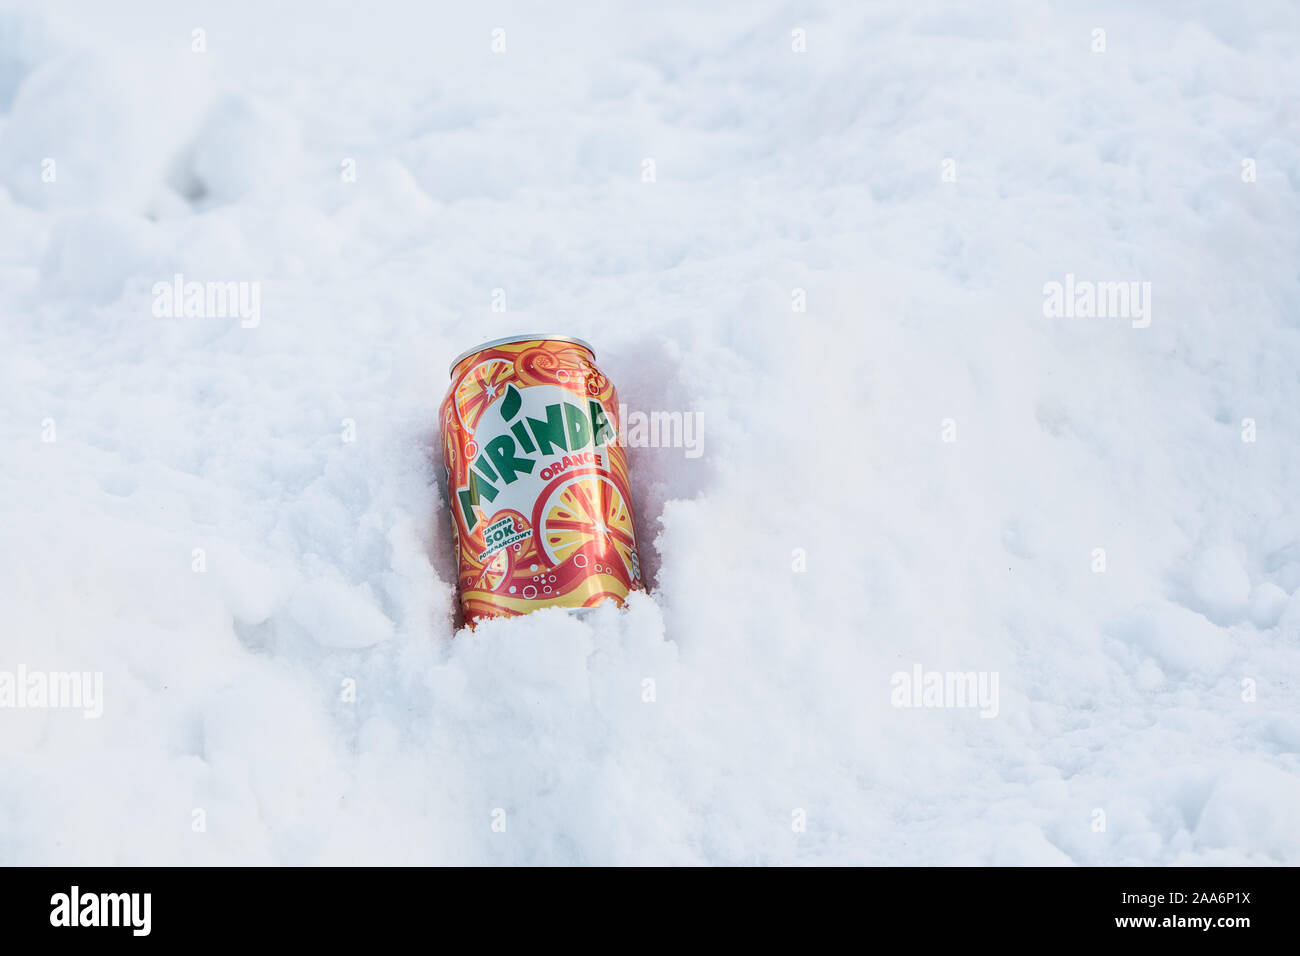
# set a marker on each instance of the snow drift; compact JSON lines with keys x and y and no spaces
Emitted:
{"x":828,"y":231}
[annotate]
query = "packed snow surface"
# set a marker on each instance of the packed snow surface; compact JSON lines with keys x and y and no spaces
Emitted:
{"x":832,"y":234}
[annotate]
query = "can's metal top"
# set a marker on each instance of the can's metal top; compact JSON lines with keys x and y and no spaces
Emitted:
{"x":526,"y":337}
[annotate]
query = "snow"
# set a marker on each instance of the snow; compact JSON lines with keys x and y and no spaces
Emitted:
{"x":921,"y":469}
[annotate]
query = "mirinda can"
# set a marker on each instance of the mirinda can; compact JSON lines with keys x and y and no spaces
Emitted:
{"x":536,"y":479}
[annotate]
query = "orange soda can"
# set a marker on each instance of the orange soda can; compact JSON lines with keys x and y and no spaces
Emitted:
{"x":537,"y":479}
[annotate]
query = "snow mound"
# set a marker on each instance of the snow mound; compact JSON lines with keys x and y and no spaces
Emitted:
{"x":950,"y":577}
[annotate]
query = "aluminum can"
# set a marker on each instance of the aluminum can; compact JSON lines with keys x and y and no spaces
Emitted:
{"x":537,"y":479}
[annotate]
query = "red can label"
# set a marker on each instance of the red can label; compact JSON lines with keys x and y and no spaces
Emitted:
{"x":537,"y":481}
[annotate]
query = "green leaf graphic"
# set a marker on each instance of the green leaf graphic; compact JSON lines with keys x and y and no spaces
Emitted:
{"x":511,"y":403}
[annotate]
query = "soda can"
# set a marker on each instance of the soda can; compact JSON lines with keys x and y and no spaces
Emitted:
{"x":537,"y":479}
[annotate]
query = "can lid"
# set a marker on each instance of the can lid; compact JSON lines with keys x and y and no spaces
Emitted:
{"x":525,"y":337}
